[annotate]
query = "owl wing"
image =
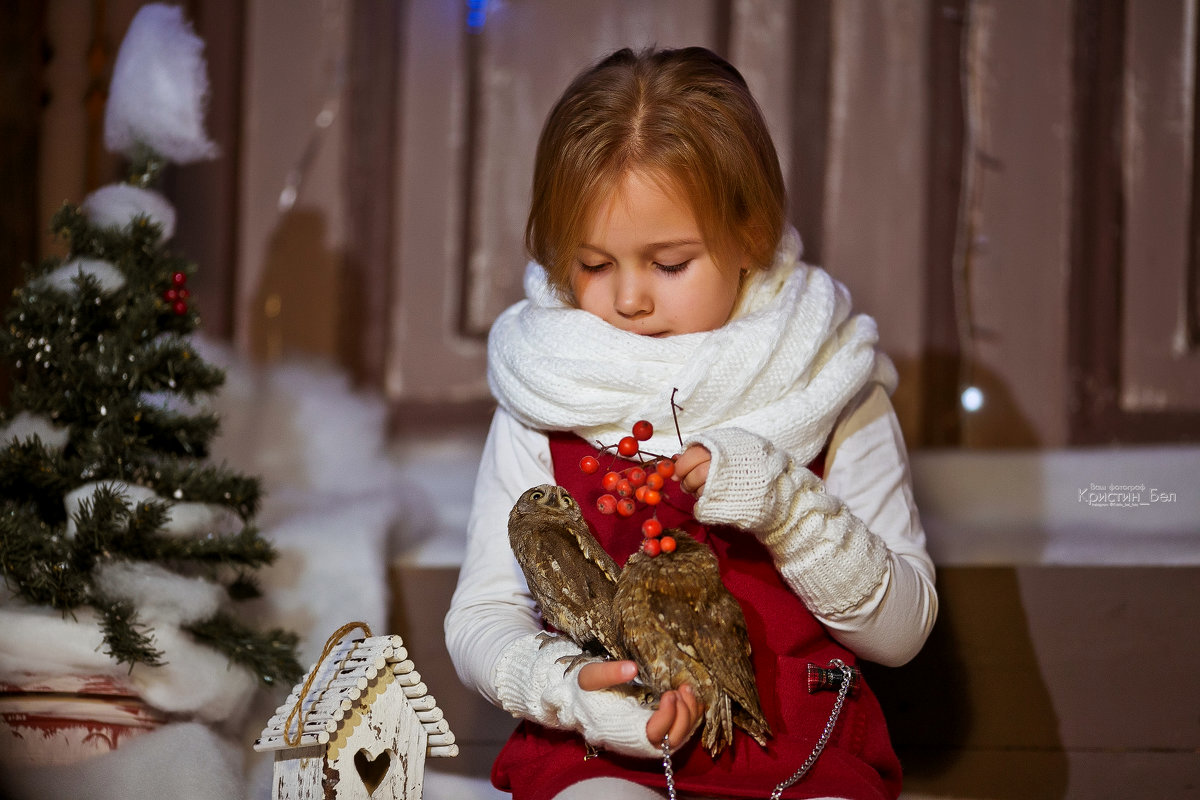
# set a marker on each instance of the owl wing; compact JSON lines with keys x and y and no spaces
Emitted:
{"x":573,"y":587}
{"x":592,"y":552}
{"x":726,"y":650}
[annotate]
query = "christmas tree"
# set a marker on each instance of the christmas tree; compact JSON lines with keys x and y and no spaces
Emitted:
{"x":104,"y":477}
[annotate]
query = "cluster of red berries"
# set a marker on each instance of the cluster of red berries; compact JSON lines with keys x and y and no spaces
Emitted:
{"x":641,"y":483}
{"x":178,"y":294}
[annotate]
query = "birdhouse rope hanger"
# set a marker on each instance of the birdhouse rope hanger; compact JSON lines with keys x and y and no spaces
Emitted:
{"x":330,"y":644}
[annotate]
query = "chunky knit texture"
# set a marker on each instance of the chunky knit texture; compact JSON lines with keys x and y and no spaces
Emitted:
{"x":784,"y":367}
{"x":531,"y":683}
{"x":824,"y":552}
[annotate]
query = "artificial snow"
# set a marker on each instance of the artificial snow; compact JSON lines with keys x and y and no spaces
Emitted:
{"x":196,"y":679}
{"x":65,"y":278}
{"x":182,"y":761}
{"x":25,"y":426}
{"x":159,"y":89}
{"x":161,"y":595}
{"x":119,"y":204}
{"x":44,"y":641}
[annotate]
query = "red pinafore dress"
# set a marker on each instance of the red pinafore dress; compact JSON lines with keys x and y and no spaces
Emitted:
{"x":858,"y":763}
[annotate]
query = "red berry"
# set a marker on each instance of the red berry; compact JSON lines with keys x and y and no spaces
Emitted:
{"x":179,"y":279}
{"x":665,"y":467}
{"x":651,"y":547}
{"x":624,"y":488}
{"x":654,"y":481}
{"x":636,"y":475}
{"x":652,"y":497}
{"x":639,"y":494}
{"x":184,"y":294}
{"x":668,"y":544}
{"x":610,"y":481}
{"x":642,"y":430}
{"x":179,"y":308}
{"x":171,"y":295}
{"x":589,"y":464}
{"x":652,"y":528}
{"x":626,"y":506}
{"x":606,"y":504}
{"x":627,"y":447}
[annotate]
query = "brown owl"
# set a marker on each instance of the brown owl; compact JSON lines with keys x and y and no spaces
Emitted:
{"x":681,"y":625}
{"x":569,"y":574}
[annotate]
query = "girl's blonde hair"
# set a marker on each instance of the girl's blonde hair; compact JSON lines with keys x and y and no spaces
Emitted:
{"x":683,"y":117}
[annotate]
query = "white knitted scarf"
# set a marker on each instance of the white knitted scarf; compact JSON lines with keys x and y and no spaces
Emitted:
{"x":784,"y":367}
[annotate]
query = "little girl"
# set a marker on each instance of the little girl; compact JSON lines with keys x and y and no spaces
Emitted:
{"x":664,"y":270}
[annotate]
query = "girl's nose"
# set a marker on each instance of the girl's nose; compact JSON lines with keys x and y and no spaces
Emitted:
{"x":633,"y":298}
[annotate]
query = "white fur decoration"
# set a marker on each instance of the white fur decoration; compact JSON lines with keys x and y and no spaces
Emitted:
{"x":117,"y":204}
{"x":109,"y":277}
{"x":159,"y":89}
{"x":26,"y":425}
{"x":183,"y":518}
{"x":162,"y":595}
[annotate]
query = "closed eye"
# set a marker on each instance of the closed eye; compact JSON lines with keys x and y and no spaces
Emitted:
{"x":672,"y":269}
{"x":593,"y":267}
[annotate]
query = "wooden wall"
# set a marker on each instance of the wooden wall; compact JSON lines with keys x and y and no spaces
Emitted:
{"x":1008,"y":187}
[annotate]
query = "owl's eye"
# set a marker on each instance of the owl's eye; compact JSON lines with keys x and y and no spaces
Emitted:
{"x":537,"y":496}
{"x":568,"y":502}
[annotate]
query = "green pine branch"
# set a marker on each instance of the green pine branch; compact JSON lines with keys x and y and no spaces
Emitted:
{"x":271,"y":656}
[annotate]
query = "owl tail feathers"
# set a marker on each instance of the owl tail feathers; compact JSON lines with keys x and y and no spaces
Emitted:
{"x":751,"y":720}
{"x":721,"y":716}
{"x":718,"y":725}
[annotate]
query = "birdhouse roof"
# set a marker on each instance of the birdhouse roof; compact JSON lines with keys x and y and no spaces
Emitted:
{"x":350,"y":678}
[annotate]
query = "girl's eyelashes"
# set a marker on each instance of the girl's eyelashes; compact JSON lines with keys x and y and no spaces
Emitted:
{"x":669,"y":269}
{"x":672,"y":269}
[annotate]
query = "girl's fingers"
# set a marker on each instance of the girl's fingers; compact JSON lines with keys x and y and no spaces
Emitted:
{"x":606,"y":674}
{"x":661,"y":721}
{"x":688,"y":717}
{"x":678,"y":715}
{"x":691,"y":468}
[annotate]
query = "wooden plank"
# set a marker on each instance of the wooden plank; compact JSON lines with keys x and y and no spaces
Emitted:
{"x":875,"y":213}
{"x":372,"y":98}
{"x":1014,"y":276}
{"x":1159,"y":360}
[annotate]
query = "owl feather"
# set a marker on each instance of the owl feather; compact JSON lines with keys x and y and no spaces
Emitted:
{"x":677,"y":620}
{"x":571,"y":577}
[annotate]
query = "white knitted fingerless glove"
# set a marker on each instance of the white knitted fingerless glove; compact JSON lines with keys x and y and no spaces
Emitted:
{"x":825,"y":553}
{"x":530,"y":683}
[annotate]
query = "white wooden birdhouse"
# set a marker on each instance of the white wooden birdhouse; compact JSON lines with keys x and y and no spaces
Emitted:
{"x":358,"y":726}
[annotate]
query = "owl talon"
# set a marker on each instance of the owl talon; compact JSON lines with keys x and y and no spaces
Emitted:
{"x":573,"y":661}
{"x":546,"y":637}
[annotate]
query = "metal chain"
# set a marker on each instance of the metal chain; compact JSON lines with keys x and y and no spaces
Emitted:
{"x":843,"y":691}
{"x":667,"y":770}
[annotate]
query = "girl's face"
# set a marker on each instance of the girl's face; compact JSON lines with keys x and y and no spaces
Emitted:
{"x":644,"y":267}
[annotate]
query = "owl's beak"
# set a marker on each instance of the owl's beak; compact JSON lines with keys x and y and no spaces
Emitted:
{"x":560,"y":497}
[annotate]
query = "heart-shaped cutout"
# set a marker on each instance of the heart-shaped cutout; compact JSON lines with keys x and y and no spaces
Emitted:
{"x":372,"y":770}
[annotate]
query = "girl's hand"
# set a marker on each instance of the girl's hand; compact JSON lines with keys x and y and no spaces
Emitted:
{"x":691,"y":469}
{"x":678,"y":713}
